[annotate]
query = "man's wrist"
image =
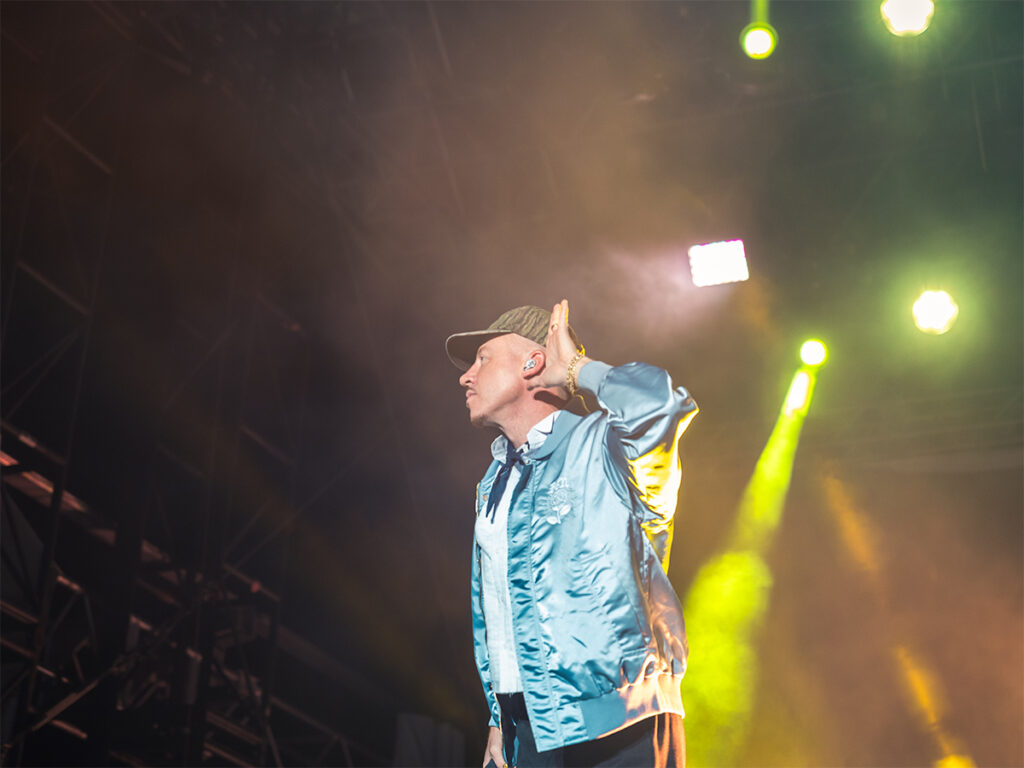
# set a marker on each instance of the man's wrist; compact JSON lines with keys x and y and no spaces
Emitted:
{"x":572,"y":371}
{"x":591,"y":376}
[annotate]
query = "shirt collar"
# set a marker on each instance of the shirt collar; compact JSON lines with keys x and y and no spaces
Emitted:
{"x":534,"y":438}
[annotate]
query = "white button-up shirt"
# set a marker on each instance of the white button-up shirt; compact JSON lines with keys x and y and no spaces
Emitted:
{"x":492,"y":537}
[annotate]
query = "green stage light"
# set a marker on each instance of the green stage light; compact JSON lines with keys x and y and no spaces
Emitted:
{"x":906,"y":18}
{"x":935,"y":312}
{"x":758,"y":40}
{"x":813,"y":353}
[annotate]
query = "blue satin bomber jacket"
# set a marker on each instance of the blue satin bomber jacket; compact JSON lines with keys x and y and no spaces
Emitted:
{"x":599,"y":631}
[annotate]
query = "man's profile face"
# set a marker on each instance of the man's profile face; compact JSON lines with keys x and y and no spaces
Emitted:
{"x":494,"y":383}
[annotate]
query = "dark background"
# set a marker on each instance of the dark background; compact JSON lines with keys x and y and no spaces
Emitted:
{"x":235,"y":236}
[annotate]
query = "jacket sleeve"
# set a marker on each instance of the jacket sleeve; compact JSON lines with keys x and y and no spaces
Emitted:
{"x":646,"y":417}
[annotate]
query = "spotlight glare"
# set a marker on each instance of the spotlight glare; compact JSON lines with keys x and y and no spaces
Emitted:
{"x":716,"y":263}
{"x":935,"y":312}
{"x":758,"y":40}
{"x":906,"y":18}
{"x":813,"y":352}
{"x":799,"y":394}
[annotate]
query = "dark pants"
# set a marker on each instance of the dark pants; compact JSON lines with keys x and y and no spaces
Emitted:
{"x":655,"y":742}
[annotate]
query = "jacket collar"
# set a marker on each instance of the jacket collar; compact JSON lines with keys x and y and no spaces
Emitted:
{"x":537,"y":435}
{"x":564,"y":424}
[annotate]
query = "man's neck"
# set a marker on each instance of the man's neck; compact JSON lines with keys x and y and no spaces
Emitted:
{"x":524,"y":420}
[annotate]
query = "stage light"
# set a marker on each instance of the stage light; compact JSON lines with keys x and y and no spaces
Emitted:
{"x":758,"y":40}
{"x":906,"y":18}
{"x":935,"y":312}
{"x":717,"y":263}
{"x":813,"y":353}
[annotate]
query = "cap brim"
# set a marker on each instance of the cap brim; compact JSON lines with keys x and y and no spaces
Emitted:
{"x":462,"y":347}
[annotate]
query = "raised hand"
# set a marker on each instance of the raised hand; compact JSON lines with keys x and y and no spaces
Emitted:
{"x":559,"y":351}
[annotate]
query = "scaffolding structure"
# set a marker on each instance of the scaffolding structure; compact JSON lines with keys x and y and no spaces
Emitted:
{"x":142,"y":588}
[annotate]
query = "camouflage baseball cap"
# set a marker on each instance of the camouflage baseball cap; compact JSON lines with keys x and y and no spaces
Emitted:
{"x":530,"y":322}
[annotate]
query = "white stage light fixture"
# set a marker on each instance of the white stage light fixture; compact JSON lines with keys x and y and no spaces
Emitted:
{"x":935,"y":312}
{"x":717,"y":263}
{"x":907,"y":18}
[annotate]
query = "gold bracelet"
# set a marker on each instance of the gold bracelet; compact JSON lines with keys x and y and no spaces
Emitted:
{"x":570,"y":373}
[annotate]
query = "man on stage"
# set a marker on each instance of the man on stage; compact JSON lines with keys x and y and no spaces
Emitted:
{"x":578,"y":635}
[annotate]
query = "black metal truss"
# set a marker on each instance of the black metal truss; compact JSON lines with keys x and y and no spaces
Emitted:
{"x":143,"y":625}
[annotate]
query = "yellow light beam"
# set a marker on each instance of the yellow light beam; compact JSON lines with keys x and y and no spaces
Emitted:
{"x":729,"y":597}
{"x":765,"y":495}
{"x":923,"y":689}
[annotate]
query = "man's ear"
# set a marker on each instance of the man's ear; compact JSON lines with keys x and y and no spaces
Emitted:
{"x":534,"y":364}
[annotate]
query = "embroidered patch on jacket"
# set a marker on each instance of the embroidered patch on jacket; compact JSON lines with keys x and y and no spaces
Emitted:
{"x":559,"y":501}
